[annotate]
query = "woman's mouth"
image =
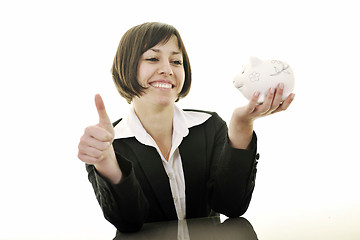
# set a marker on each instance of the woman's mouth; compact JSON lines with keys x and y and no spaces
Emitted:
{"x":164,"y":85}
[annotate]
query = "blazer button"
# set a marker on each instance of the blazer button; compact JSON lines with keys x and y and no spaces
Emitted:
{"x":257,"y":156}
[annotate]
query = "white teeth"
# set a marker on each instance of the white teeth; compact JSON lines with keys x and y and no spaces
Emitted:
{"x":161,"y":85}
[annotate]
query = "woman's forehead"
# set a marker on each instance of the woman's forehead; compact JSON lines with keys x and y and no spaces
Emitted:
{"x":170,"y":46}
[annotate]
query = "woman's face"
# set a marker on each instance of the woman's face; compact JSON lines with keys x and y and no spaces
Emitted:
{"x":161,"y":71}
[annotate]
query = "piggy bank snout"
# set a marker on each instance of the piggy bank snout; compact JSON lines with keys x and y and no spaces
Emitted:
{"x":237,"y":83}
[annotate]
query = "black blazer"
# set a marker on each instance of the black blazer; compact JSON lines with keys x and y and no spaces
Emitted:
{"x":217,"y":178}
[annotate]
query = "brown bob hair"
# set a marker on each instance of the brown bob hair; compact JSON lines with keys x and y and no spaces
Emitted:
{"x":133,"y":44}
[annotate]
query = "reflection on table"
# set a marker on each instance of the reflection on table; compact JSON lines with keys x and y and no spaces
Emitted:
{"x":200,"y":228}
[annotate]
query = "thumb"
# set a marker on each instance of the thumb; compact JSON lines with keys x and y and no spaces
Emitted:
{"x":104,"y":119}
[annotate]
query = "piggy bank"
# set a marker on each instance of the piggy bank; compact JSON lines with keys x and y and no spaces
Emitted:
{"x":259,"y":75}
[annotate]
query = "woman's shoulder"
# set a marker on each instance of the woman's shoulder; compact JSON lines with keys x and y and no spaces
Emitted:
{"x":213,"y":124}
{"x":213,"y":116}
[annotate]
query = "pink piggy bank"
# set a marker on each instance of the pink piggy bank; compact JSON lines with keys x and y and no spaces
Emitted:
{"x":259,"y":75}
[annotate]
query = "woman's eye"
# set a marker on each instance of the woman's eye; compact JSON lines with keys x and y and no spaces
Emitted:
{"x":152,"y":59}
{"x":177,"y":62}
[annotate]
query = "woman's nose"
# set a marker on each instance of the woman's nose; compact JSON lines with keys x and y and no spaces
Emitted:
{"x":165,"y":68}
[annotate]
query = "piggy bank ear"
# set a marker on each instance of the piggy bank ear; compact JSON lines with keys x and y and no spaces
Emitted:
{"x":254,"y":61}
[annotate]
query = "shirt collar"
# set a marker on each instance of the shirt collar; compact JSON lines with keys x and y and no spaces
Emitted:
{"x":131,"y":126}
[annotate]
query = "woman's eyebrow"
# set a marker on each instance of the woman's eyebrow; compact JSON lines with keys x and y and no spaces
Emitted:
{"x":158,"y":50}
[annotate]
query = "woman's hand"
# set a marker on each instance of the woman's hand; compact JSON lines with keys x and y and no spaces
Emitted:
{"x":96,"y":148}
{"x":241,"y":123}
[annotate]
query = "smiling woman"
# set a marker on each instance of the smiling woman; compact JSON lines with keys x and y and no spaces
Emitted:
{"x":161,"y":73}
{"x":145,"y":37}
{"x":160,"y":162}
{"x":56,"y":55}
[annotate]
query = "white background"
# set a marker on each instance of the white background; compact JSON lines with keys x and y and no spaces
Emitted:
{"x":56,"y":55}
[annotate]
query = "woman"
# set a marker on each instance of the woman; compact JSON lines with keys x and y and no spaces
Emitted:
{"x":160,"y":162}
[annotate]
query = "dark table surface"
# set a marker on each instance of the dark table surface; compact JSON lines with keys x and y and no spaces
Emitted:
{"x":201,"y":228}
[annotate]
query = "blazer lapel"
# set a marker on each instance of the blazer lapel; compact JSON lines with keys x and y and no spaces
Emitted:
{"x":193,"y":157}
{"x":150,"y":162}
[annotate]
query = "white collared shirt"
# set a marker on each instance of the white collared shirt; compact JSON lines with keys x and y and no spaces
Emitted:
{"x":131,"y":126}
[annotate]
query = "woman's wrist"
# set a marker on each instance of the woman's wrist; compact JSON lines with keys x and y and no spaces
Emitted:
{"x":240,"y":133}
{"x":109,"y":168}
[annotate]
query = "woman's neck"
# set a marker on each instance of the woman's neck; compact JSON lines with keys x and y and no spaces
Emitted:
{"x":157,"y":121}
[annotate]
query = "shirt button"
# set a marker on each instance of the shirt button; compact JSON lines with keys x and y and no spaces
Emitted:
{"x":257,"y":156}
{"x":171,"y":176}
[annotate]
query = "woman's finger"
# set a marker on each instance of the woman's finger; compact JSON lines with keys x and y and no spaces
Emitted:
{"x":98,"y":133}
{"x":93,"y":142}
{"x":278,"y":98}
{"x":90,"y":151}
{"x":285,"y":104}
{"x":266,"y":106}
{"x":253,"y":102}
{"x":87,"y":159}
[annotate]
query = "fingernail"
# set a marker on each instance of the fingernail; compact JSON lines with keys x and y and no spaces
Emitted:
{"x":256,"y":93}
{"x":272,"y":90}
{"x":281,"y":86}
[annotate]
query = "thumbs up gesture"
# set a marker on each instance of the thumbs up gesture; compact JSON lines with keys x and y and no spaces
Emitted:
{"x":104,"y":120}
{"x":95,"y":145}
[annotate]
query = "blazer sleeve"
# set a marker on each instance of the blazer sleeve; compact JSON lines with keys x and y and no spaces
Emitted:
{"x":124,"y":204}
{"x":233,"y":173}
